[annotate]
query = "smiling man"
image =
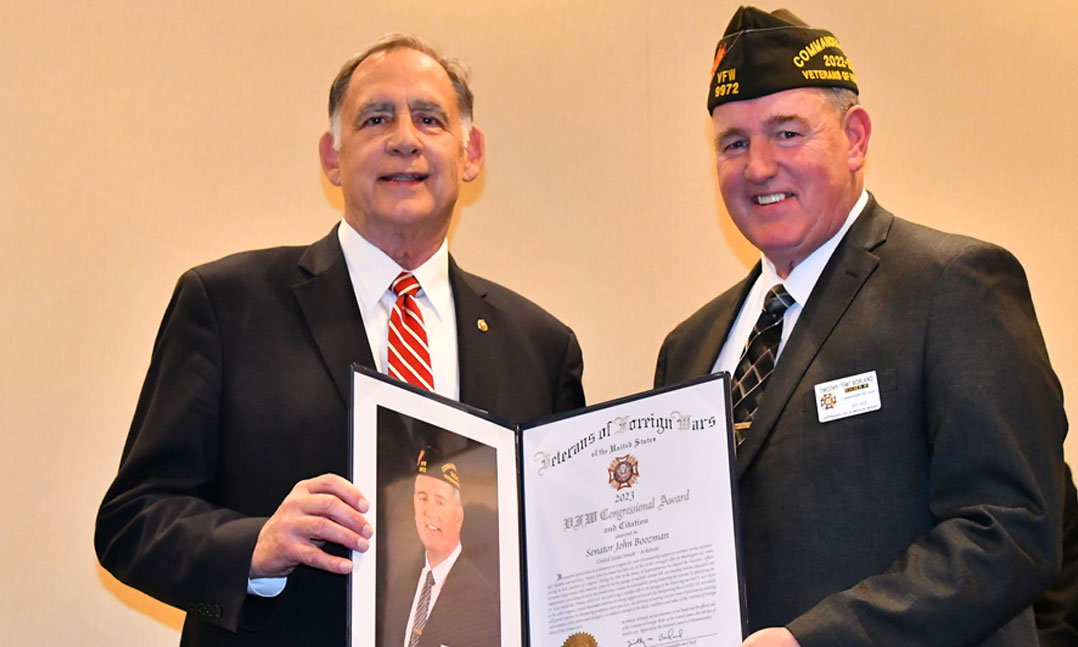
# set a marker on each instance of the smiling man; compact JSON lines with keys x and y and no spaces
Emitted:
{"x":230,"y":501}
{"x":439,"y":514}
{"x":448,"y":601}
{"x":899,"y":424}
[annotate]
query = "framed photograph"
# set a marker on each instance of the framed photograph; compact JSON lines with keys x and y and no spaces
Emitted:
{"x":611,"y":525}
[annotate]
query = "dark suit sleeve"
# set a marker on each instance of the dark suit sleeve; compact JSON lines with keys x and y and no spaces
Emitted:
{"x":1057,"y":608}
{"x":994,"y":424}
{"x":569,"y":391}
{"x":660,"y":368}
{"x":156,"y":530}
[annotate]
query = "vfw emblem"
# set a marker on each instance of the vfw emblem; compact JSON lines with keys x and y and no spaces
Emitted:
{"x":623,"y":472}
{"x":828,"y":401}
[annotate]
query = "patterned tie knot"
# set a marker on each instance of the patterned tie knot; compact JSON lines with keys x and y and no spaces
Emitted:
{"x":405,"y":285}
{"x":777,"y":301}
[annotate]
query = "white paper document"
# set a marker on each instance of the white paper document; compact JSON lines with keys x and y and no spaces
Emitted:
{"x":611,"y":526}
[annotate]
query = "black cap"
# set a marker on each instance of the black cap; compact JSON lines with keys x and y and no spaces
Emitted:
{"x":433,"y":463}
{"x":762,"y":53}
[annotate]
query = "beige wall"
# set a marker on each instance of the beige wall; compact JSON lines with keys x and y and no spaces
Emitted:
{"x":140,"y":138}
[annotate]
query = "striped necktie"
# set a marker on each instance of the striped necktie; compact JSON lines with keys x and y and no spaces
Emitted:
{"x":408,"y":358}
{"x":422,"y":611}
{"x":758,"y":361}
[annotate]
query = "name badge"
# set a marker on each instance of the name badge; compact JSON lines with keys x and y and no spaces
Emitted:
{"x":847,"y":396}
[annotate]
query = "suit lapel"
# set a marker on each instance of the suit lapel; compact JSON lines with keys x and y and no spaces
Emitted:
{"x":842,"y":278}
{"x":481,"y":379}
{"x":328,"y":302}
{"x":715,"y":336}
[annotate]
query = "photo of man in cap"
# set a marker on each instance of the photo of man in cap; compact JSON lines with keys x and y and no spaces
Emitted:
{"x":442,"y":597}
{"x":900,"y":427}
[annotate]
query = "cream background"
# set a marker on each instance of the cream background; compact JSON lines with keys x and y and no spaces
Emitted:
{"x":140,"y":138}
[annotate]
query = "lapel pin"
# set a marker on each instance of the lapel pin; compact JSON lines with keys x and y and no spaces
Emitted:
{"x":481,"y":324}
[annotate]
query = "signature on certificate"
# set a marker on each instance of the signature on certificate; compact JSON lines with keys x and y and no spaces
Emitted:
{"x":674,"y":633}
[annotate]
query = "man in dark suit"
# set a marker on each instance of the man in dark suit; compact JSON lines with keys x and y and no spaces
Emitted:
{"x":230,"y":501}
{"x":454,"y":608}
{"x":900,"y":466}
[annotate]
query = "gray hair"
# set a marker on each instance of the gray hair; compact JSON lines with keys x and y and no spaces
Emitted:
{"x":841,"y":99}
{"x":455,"y":68}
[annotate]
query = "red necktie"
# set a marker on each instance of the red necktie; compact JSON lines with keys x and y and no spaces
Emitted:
{"x":409,"y":356}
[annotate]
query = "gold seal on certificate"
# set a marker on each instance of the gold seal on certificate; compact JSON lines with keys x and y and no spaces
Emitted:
{"x":623,"y":471}
{"x":580,"y":640}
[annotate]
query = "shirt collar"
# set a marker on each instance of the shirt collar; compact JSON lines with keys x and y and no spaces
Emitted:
{"x":802,"y":279}
{"x":372,"y":271}
{"x":441,"y":571}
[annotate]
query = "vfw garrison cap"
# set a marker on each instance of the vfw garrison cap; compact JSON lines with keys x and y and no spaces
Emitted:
{"x":433,"y":463}
{"x":762,"y":53}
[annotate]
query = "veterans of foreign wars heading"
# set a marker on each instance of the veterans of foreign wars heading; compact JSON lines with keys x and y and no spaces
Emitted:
{"x":900,"y":427}
{"x":230,"y":500}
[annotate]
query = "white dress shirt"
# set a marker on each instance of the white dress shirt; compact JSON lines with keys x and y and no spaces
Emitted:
{"x":799,"y":283}
{"x":441,"y":571}
{"x":372,"y":272}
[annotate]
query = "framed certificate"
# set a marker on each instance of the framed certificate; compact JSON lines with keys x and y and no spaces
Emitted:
{"x":615,"y":524}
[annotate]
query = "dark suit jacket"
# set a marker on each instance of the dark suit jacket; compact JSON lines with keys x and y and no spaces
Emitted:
{"x":466,"y":613}
{"x":934,"y":520}
{"x":246,"y":394}
{"x":1056,"y":609}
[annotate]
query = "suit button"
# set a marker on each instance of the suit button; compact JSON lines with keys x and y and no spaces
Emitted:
{"x":208,"y":610}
